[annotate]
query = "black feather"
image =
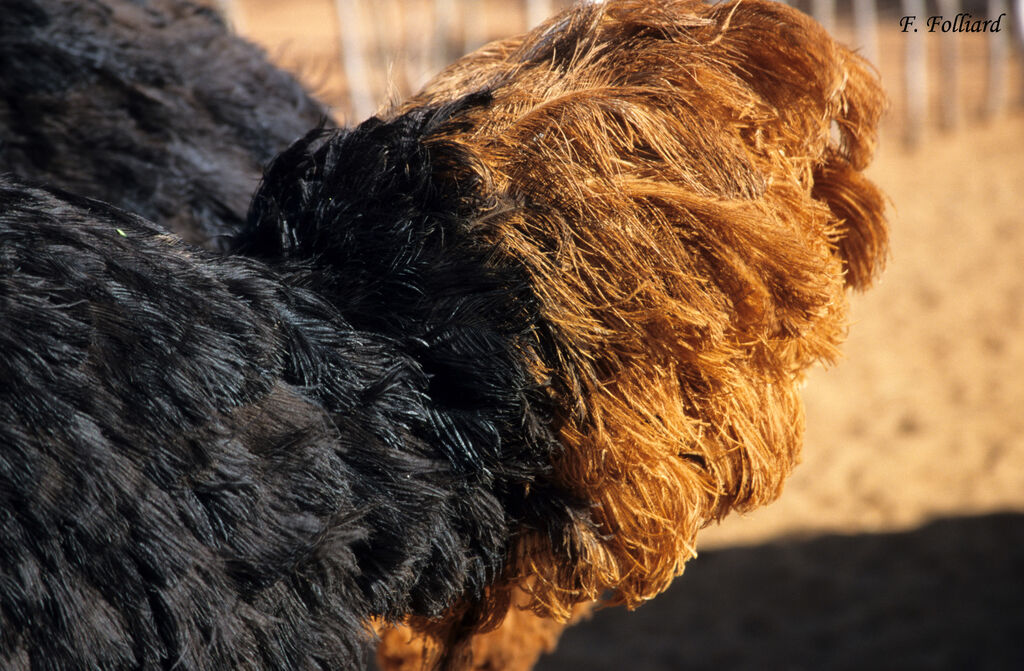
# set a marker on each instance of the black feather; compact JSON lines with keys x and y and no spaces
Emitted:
{"x":150,"y":105}
{"x":235,"y":462}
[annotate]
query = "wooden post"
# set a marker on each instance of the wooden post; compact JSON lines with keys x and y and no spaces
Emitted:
{"x":824,"y":12}
{"x":447,"y":33}
{"x":995,"y":95}
{"x":1018,"y":33}
{"x":473,"y":27}
{"x":352,"y":31}
{"x":915,"y":73}
{"x":418,"y":50}
{"x":949,"y":57}
{"x":865,"y":25}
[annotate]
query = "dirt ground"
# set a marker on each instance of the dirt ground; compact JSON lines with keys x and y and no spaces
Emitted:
{"x":899,"y":541}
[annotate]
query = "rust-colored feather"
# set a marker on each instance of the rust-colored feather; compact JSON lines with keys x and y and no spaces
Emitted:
{"x":688,"y":202}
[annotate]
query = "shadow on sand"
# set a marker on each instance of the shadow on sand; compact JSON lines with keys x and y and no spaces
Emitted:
{"x":949,"y":595}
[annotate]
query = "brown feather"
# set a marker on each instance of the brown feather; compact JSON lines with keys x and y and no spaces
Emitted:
{"x":691,"y":227}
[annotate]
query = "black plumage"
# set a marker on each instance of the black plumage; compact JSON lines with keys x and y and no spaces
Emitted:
{"x":151,"y":105}
{"x":520,"y":339}
{"x":231,"y":462}
{"x":270,"y":452}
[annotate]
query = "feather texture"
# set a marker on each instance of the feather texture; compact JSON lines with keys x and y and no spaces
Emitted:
{"x":150,"y":105}
{"x":690,"y":227}
{"x":512,"y":344}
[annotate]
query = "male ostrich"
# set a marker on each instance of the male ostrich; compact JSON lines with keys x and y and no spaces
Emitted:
{"x":515,"y":341}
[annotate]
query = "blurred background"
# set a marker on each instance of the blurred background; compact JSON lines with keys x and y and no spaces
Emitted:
{"x":899,"y":541}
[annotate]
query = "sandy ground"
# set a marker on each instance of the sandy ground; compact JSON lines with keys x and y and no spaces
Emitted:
{"x":899,"y":541}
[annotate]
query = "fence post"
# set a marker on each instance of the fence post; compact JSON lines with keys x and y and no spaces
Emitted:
{"x":995,"y":95}
{"x":949,"y":53}
{"x":1018,"y":35}
{"x":447,"y":30}
{"x":915,"y":73}
{"x":473,"y":32}
{"x":824,"y":12}
{"x":418,"y":49}
{"x":351,"y":32}
{"x":865,"y":26}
